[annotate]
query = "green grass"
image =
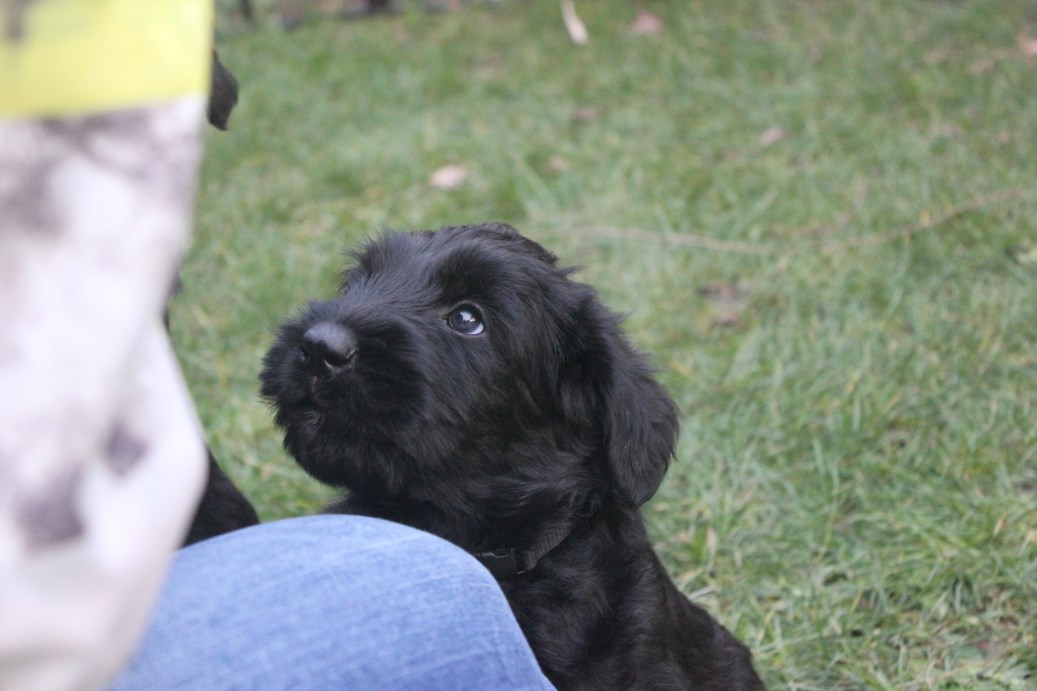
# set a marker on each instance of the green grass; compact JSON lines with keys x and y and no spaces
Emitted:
{"x":845,"y":311}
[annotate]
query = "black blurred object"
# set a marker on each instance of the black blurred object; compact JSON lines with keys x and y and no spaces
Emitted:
{"x":223,"y":94}
{"x":222,"y":509}
{"x":246,"y":10}
{"x":292,"y":11}
{"x":295,"y":11}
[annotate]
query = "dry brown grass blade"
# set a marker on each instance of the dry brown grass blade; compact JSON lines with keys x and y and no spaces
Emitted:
{"x":681,"y":239}
{"x":929,"y":222}
{"x":573,"y":24}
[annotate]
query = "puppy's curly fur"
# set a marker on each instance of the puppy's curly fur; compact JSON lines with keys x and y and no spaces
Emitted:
{"x":462,"y":383}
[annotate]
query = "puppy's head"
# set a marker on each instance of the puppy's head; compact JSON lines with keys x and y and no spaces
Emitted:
{"x":463,"y":368}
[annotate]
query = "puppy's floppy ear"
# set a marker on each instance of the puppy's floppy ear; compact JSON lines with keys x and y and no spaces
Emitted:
{"x":608,"y":386}
{"x":640,"y":425}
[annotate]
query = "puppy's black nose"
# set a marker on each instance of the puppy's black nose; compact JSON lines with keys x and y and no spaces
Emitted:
{"x":327,"y":348}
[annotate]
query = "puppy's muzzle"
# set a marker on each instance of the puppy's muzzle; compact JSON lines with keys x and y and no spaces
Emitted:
{"x":327,"y":349}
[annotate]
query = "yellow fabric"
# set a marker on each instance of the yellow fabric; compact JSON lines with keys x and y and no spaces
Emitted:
{"x":65,"y":57}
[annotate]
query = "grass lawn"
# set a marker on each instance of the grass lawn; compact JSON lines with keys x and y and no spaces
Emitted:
{"x":822,"y":218}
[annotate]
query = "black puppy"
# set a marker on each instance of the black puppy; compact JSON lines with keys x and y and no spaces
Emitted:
{"x":461,"y":383}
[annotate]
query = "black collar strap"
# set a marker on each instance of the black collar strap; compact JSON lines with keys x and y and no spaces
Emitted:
{"x":503,"y":563}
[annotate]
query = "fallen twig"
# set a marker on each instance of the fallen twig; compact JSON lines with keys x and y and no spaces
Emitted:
{"x":929,"y":222}
{"x":683,"y":239}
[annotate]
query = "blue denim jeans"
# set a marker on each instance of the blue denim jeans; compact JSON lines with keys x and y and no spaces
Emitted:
{"x":331,"y":602}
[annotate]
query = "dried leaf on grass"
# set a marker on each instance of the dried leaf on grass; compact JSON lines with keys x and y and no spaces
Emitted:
{"x":558,"y":164}
{"x":647,"y":24}
{"x":1028,"y":46}
{"x":772,"y":135}
{"x":584,"y":114}
{"x":449,"y":177}
{"x":728,"y":301}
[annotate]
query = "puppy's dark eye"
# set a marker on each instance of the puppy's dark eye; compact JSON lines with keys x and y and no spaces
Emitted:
{"x":466,"y":320}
